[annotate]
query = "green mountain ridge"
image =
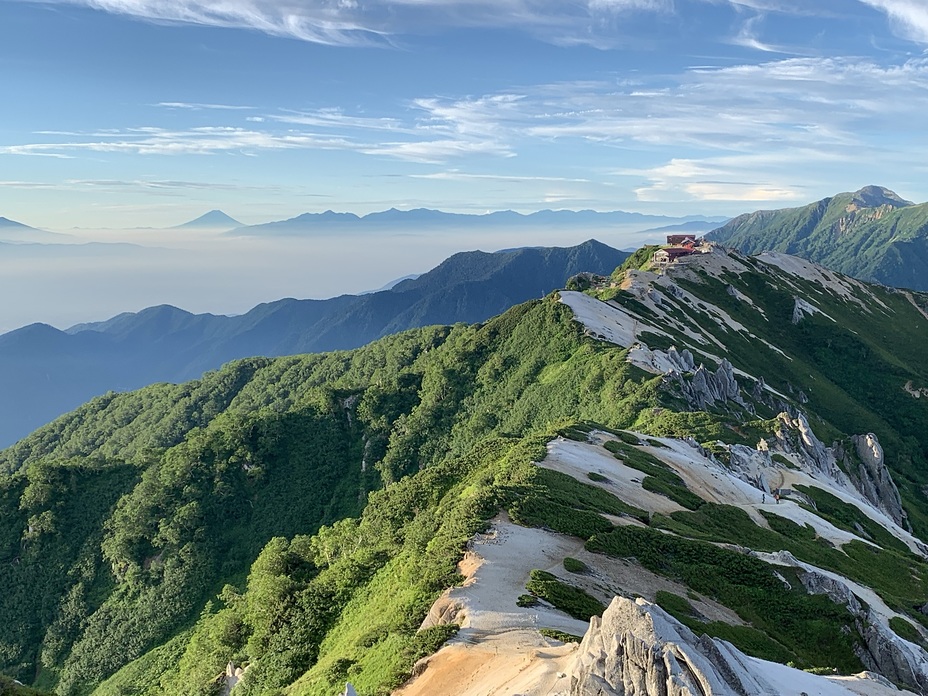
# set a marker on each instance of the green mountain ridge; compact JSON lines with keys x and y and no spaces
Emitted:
{"x":871,"y":234}
{"x":47,"y":372}
{"x":301,"y":515}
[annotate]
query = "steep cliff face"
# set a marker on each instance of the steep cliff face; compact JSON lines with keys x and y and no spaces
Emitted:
{"x":873,"y":480}
{"x":864,"y":468}
{"x":637,"y":649}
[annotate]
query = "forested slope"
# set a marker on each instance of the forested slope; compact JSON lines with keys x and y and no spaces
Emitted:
{"x":871,"y":234}
{"x":174,"y":529}
{"x":46,"y":372}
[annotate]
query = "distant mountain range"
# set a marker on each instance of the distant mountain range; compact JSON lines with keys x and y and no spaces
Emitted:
{"x":425,"y":218}
{"x":214,"y":219}
{"x":46,"y":372}
{"x":872,"y":234}
{"x":7,"y":223}
{"x":695,"y":226}
{"x":418,"y":218}
{"x":17,"y":232}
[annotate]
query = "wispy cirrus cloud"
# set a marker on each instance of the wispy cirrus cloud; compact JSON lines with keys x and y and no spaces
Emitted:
{"x":379,"y":22}
{"x":464,"y":176}
{"x":910,"y":17}
{"x":161,"y":141}
{"x":732,"y":122}
{"x":193,"y":106}
{"x":27,"y":185}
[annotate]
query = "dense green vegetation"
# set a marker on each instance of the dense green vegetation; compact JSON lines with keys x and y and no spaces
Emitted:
{"x":569,"y":599}
{"x":846,"y":370}
{"x":812,"y":630}
{"x":10,"y":688}
{"x":900,"y":577}
{"x":904,"y":629}
{"x":575,"y":565}
{"x":848,"y":517}
{"x":209,"y":479}
{"x":46,"y":372}
{"x":659,"y":478}
{"x":300,"y":515}
{"x":554,"y":634}
{"x":870,"y":234}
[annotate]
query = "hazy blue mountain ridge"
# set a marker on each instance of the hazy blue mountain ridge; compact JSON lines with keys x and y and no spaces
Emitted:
{"x":47,"y":371}
{"x":425,"y":218}
{"x":214,"y":219}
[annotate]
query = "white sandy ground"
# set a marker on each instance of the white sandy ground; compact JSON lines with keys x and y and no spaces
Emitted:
{"x":712,"y":482}
{"x":840,"y":285}
{"x":792,"y":477}
{"x":605,"y":319}
{"x":619,"y":327}
{"x":499,"y":650}
{"x":577,"y":459}
{"x":715,"y":483}
{"x":706,"y":478}
{"x":793,"y":682}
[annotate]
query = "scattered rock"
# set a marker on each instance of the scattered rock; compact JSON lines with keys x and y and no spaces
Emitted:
{"x":802,"y":309}
{"x":233,"y":675}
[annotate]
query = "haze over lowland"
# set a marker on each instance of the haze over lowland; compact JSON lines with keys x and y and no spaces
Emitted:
{"x":225,"y":268}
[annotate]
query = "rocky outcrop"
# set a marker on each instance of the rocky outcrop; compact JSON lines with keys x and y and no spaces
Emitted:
{"x":864,"y":469}
{"x":880,"y":649}
{"x":795,"y":436}
{"x":233,"y":675}
{"x":802,"y":309}
{"x":871,"y":477}
{"x":706,"y":388}
{"x":682,"y":360}
{"x":637,"y":649}
{"x":752,"y":466}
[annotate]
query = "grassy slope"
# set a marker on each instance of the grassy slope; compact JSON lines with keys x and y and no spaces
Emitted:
{"x":267,"y":448}
{"x":452,"y":416}
{"x":892,"y":249}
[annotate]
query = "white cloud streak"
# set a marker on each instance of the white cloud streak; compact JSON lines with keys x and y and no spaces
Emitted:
{"x":463,"y":176}
{"x":377,"y":22}
{"x":193,"y":106}
{"x":731,"y":123}
{"x":195,"y":141}
{"x":910,"y":17}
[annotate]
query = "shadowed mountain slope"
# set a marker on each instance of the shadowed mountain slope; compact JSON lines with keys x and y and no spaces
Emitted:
{"x":46,"y":372}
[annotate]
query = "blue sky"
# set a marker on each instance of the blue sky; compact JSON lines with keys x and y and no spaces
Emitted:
{"x":125,"y":113}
